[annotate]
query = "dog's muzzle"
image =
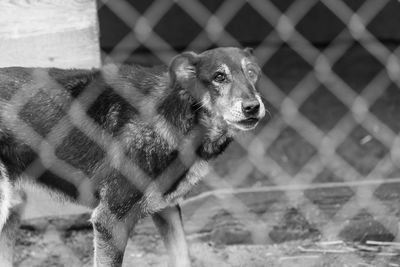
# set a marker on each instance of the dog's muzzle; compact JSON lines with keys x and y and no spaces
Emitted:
{"x":253,"y":111}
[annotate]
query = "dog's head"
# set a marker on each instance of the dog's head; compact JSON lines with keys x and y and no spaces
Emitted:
{"x":223,"y":81}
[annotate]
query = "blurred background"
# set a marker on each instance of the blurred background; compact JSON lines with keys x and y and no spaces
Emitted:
{"x":318,"y":184}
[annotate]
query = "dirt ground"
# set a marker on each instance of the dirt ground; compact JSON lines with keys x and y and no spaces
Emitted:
{"x":280,"y":233}
{"x":73,"y":247}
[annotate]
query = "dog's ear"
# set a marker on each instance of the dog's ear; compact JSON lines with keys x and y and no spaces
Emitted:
{"x":182,"y":69}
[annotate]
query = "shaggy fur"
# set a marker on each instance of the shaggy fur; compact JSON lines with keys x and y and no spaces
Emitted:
{"x":127,"y":142}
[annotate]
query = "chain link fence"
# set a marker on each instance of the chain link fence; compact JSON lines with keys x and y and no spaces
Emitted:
{"x":326,"y":165}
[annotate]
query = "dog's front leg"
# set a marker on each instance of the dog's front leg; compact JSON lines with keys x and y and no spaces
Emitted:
{"x":169,"y":224}
{"x":110,"y":238}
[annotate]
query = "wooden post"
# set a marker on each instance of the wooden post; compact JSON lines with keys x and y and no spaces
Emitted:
{"x":49,"y":33}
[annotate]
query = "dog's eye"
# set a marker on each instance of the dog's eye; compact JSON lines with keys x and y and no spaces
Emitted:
{"x":219,"y":77}
{"x":252,"y":74}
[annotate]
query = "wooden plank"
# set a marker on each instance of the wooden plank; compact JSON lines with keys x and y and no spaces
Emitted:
{"x":49,"y":33}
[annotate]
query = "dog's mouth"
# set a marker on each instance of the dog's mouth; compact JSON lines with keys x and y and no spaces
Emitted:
{"x":246,"y":124}
{"x":250,"y":122}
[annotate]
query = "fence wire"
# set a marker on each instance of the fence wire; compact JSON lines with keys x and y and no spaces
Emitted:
{"x":334,"y":132}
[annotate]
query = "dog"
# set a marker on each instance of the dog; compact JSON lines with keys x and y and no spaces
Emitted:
{"x":127,"y":141}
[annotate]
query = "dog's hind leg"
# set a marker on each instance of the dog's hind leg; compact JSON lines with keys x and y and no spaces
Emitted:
{"x":169,"y":224}
{"x":11,"y":206}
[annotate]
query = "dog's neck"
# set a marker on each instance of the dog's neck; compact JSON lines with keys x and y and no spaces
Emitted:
{"x":185,"y":113}
{"x":178,"y":108}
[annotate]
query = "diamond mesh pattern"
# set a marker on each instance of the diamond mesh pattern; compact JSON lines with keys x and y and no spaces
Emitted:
{"x":335,"y":129}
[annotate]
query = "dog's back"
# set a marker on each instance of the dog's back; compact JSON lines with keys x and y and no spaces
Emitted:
{"x":45,"y":106}
{"x":35,"y":111}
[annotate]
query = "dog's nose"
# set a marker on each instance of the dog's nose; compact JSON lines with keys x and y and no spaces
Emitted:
{"x":250,"y":107}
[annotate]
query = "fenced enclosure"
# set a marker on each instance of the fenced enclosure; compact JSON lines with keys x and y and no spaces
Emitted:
{"x":325,"y":166}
